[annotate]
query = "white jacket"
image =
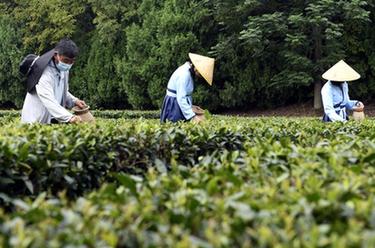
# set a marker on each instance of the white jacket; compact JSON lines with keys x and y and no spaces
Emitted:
{"x":49,"y":98}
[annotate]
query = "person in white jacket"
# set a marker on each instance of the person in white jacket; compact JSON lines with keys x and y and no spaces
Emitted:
{"x":48,"y":93}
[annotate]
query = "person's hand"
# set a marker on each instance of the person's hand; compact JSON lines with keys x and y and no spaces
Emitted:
{"x":359,"y":106}
{"x":80,"y":104}
{"x":198,"y":110}
{"x":75,"y":119}
{"x":198,"y":118}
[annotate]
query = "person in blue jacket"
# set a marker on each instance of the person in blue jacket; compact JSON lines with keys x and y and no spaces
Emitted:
{"x":178,"y":102}
{"x":335,"y":93}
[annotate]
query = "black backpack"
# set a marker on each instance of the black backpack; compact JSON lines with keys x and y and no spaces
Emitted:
{"x":32,"y":67}
{"x":27,"y":63}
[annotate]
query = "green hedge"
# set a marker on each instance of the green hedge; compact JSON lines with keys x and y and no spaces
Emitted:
{"x":105,"y":114}
{"x":126,"y":114}
{"x":268,"y":182}
{"x":79,"y":158}
{"x":38,"y":158}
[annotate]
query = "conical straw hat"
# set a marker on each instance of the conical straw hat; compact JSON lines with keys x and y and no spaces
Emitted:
{"x":205,"y":66}
{"x":341,"y":72}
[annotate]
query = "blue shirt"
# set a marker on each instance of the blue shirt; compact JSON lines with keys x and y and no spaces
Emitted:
{"x":182,"y":82}
{"x":333,"y":95}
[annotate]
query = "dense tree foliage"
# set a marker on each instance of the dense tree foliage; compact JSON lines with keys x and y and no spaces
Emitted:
{"x":269,"y":52}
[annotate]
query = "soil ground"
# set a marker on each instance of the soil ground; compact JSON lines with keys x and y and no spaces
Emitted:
{"x":295,"y":110}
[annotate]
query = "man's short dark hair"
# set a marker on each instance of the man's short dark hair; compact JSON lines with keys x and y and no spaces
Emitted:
{"x":67,"y":47}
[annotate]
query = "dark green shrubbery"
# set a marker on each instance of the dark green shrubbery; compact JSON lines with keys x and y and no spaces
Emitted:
{"x":231,"y":182}
{"x":269,"y":53}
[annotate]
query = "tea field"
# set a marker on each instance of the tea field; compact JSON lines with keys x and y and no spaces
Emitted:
{"x":128,"y":181}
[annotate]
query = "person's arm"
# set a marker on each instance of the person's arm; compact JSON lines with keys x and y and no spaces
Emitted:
{"x":182,"y":99}
{"x":44,"y":90}
{"x":350,"y":104}
{"x":328,"y":105}
{"x":70,"y":100}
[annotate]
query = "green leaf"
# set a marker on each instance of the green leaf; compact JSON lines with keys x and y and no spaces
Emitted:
{"x":127,"y":182}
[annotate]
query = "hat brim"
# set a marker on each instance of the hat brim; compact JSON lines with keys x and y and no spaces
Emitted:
{"x":204,"y":65}
{"x":341,"y":72}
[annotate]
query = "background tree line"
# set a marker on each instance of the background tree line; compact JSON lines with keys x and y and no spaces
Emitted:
{"x":268,"y":52}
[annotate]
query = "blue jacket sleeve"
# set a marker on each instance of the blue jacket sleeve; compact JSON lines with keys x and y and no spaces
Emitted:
{"x":183,"y":99}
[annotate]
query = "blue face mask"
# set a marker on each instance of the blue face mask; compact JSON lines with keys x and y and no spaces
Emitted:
{"x":63,"y":67}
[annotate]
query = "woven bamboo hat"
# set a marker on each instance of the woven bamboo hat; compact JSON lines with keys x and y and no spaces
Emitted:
{"x":84,"y":113}
{"x":341,"y":72}
{"x":205,"y":66}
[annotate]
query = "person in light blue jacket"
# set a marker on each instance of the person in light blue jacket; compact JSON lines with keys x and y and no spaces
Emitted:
{"x":178,"y":102}
{"x":335,"y":93}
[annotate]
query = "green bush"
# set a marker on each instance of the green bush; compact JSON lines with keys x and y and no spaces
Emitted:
{"x":106,"y":114}
{"x":231,"y":182}
{"x":51,"y":158}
